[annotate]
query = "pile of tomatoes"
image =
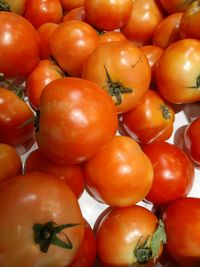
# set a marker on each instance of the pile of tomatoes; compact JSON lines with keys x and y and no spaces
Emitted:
{"x":90,"y":96}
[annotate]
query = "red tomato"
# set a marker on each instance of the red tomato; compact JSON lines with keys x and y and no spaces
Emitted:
{"x":174,"y":6}
{"x":145,"y":16}
{"x":182,"y":222}
{"x":86,"y":254}
{"x":122,"y":70}
{"x":71,"y":43}
{"x":168,"y":31}
{"x":124,"y":237}
{"x":19,"y":45}
{"x":190,"y":22}
{"x":17,"y":6}
{"x":36,"y":212}
{"x":192,"y":141}
{"x":10,"y":162}
{"x":77,"y":118}
{"x":150,"y":121}
{"x":70,"y":4}
{"x":45,"y":31}
{"x":45,"y":72}
{"x":75,"y":14}
{"x":116,"y":175}
{"x":107,"y":14}
{"x":39,"y":12}
{"x":173,"y":173}
{"x":14,"y":112}
{"x":111,"y":36}
{"x":153,"y":54}
{"x":70,"y":174}
{"x":177,"y":72}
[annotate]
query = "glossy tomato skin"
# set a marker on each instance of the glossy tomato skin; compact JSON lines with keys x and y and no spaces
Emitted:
{"x":145,"y":16}
{"x":174,"y":6}
{"x":107,"y":14}
{"x":177,"y":72}
{"x":19,"y":52}
{"x":122,"y":66}
{"x":191,"y":140}
{"x":75,"y":14}
{"x":182,"y":225}
{"x":45,"y":72}
{"x":39,"y":12}
{"x":70,"y":4}
{"x":71,"y":44}
{"x":14,"y":112}
{"x":10,"y":162}
{"x":86,"y":254}
{"x":119,"y":233}
{"x":77,"y":119}
{"x":70,"y":174}
{"x":150,"y":121}
{"x":173,"y":173}
{"x":116,"y":175}
{"x":111,"y":36}
{"x":37,"y":198}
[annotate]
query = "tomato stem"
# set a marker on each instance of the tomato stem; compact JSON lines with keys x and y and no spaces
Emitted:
{"x":116,"y":88}
{"x":46,"y":234}
{"x":197,"y":83}
{"x":19,"y":90}
{"x":165,"y":112}
{"x":4,"y":6}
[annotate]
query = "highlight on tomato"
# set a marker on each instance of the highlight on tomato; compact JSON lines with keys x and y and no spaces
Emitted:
{"x":42,"y":217}
{"x":77,"y":119}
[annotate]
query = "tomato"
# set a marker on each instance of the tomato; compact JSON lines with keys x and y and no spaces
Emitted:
{"x":70,"y":4}
{"x":115,"y":175}
{"x":36,"y":212}
{"x":14,"y":112}
{"x":177,"y":73}
{"x":174,"y":6}
{"x":45,"y":72}
{"x":86,"y":254}
{"x":150,"y":121}
{"x":70,"y":174}
{"x":125,"y":235}
{"x":173,"y":173}
{"x":45,"y":31}
{"x":190,"y":21}
{"x":10,"y":162}
{"x":17,"y":6}
{"x":75,"y":14}
{"x":39,"y":12}
{"x":153,"y":54}
{"x":19,"y":45}
{"x":191,"y":140}
{"x":111,"y":36}
{"x":107,"y":14}
{"x":77,"y":118}
{"x":182,"y":222}
{"x":168,"y":31}
{"x":71,"y":43}
{"x":122,"y":70}
{"x":145,"y":16}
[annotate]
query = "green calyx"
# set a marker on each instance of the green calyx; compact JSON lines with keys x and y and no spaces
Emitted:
{"x":165,"y":112}
{"x":4,"y":6}
{"x":18,"y":90}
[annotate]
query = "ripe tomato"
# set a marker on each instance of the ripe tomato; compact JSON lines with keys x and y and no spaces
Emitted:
{"x":70,"y":4}
{"x":190,"y":22}
{"x":150,"y":121}
{"x":17,"y":6}
{"x":182,"y":222}
{"x":45,"y":31}
{"x":177,"y":73}
{"x":191,"y":140}
{"x":19,"y":45}
{"x":153,"y":54}
{"x":36,"y":212}
{"x":39,"y":12}
{"x":173,"y":173}
{"x":122,"y":70}
{"x":70,"y":174}
{"x":71,"y":43}
{"x":125,"y":237}
{"x":10,"y":162}
{"x":145,"y":16}
{"x":168,"y":32}
{"x":107,"y":14}
{"x":75,"y":14}
{"x":77,"y":118}
{"x":111,"y":36}
{"x":86,"y":254}
{"x":174,"y":6}
{"x":116,"y":175}
{"x":14,"y":112}
{"x":45,"y":72}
